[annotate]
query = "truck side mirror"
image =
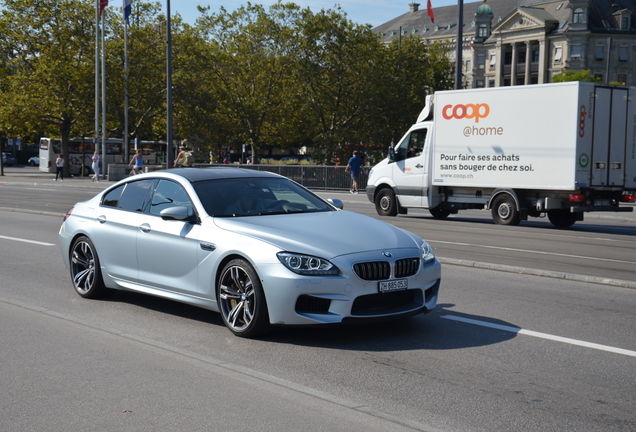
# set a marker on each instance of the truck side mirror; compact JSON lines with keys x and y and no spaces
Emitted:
{"x":391,"y":154}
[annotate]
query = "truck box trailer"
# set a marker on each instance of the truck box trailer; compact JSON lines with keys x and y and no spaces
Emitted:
{"x":558,"y":149}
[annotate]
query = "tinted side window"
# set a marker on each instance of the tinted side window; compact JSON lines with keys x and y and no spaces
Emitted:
{"x":135,"y":195}
{"x":169,"y":194}
{"x":112,"y":198}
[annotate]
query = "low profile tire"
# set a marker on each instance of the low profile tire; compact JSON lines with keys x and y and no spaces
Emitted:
{"x":385,"y":203}
{"x":561,"y":218}
{"x":439,"y":213}
{"x":504,"y":211}
{"x":242,"y":300}
{"x":85,"y":270}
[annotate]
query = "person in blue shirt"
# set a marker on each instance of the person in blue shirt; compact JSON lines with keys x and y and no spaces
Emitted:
{"x":354,"y":166}
{"x":137,"y":162}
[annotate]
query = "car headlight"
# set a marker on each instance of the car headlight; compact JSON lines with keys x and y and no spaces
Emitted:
{"x":307,"y":265}
{"x":427,"y":254}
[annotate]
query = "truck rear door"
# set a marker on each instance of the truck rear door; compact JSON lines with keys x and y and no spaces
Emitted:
{"x":609,"y":137}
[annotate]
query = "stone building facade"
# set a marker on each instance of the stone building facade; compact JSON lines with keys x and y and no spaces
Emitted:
{"x":520,"y":42}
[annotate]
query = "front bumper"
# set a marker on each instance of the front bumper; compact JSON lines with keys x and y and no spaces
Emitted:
{"x":301,"y":300}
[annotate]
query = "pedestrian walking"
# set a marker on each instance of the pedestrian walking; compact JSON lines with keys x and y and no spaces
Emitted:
{"x":59,"y":167}
{"x":95,"y":166}
{"x":354,"y":166}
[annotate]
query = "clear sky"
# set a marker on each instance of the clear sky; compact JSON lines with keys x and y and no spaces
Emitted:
{"x":374,"y":12}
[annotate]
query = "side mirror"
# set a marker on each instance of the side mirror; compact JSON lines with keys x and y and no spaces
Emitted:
{"x":391,"y":154}
{"x":336,"y":203}
{"x":181,"y":213}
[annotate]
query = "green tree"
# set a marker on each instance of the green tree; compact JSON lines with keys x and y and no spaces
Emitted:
{"x":247,"y":66}
{"x":410,"y":71}
{"x":570,"y":75}
{"x":48,"y":47}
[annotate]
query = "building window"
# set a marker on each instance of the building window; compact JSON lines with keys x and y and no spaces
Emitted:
{"x":521,"y":57}
{"x":575,"y":53}
{"x":622,"y":53}
{"x":622,"y":78}
{"x":624,"y":23}
{"x":482,"y":31}
{"x":599,"y":52}
{"x":493,"y":60}
{"x":535,"y":56}
{"x":558,"y":53}
{"x":507,"y":58}
{"x":480,"y":84}
{"x":481,"y":61}
{"x":599,"y":76}
{"x":577,"y":16}
{"x":491,"y":83}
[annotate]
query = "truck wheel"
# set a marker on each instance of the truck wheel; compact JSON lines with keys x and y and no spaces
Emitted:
{"x":561,"y":218}
{"x":504,"y":211}
{"x":385,"y":203}
{"x":439,"y":213}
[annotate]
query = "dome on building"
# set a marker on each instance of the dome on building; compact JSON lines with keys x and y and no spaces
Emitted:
{"x":484,"y":9}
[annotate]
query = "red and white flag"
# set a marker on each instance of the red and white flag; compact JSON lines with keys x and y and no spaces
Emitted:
{"x":104,"y":3}
{"x":429,"y":11}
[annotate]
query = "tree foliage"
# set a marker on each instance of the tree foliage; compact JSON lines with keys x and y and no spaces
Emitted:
{"x":570,"y":75}
{"x":278,"y":77}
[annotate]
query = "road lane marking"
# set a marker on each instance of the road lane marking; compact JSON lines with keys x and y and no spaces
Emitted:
{"x":531,"y":251}
{"x":542,"y":335}
{"x":27,"y":241}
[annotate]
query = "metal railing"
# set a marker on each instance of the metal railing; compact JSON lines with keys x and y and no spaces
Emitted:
{"x":318,"y":177}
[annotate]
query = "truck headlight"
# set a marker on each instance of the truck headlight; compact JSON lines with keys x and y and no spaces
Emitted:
{"x":307,"y":264}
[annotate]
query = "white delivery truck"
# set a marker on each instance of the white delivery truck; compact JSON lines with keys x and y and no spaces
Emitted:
{"x":559,"y":149}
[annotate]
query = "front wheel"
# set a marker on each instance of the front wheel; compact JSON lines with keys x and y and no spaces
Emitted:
{"x":504,"y":211}
{"x":242,"y":300}
{"x":385,"y":203}
{"x":85,"y":270}
{"x":561,"y":218}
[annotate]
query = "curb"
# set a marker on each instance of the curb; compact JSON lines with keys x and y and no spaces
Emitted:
{"x":537,"y":272}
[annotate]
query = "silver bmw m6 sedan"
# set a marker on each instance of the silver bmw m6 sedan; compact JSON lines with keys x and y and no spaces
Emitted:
{"x":255,"y":246}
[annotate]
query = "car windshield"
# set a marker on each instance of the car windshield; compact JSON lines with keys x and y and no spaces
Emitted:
{"x":256,"y":196}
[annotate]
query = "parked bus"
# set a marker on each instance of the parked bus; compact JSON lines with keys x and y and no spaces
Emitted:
{"x":80,"y":152}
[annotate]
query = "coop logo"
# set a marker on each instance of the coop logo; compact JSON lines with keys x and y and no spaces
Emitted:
{"x":582,"y":114}
{"x":468,"y":111}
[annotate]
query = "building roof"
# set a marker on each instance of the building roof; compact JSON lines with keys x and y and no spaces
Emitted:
{"x":416,"y":22}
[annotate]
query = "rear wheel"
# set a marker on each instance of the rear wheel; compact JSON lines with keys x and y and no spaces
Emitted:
{"x":385,"y":203}
{"x":504,"y":211}
{"x":85,"y":270}
{"x":242,"y":300}
{"x":561,"y":218}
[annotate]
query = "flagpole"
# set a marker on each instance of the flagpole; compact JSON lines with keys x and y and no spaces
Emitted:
{"x":104,"y":93}
{"x":97,"y":32}
{"x":126,"y":146}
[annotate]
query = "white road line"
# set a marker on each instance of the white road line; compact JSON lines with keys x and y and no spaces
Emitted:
{"x":531,"y":251}
{"x":542,"y":335}
{"x":27,"y":241}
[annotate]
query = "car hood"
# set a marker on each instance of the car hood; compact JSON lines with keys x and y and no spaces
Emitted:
{"x":324,"y":234}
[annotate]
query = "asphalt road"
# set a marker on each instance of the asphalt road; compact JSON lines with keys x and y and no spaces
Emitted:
{"x":503,"y":351}
{"x":602,"y":249}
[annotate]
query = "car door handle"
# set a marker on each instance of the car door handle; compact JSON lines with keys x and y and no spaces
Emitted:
{"x":144,"y":227}
{"x":101,"y":219}
{"x":419,"y":166}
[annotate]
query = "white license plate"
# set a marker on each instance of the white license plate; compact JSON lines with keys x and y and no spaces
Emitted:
{"x":601,"y":203}
{"x":393,"y":285}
